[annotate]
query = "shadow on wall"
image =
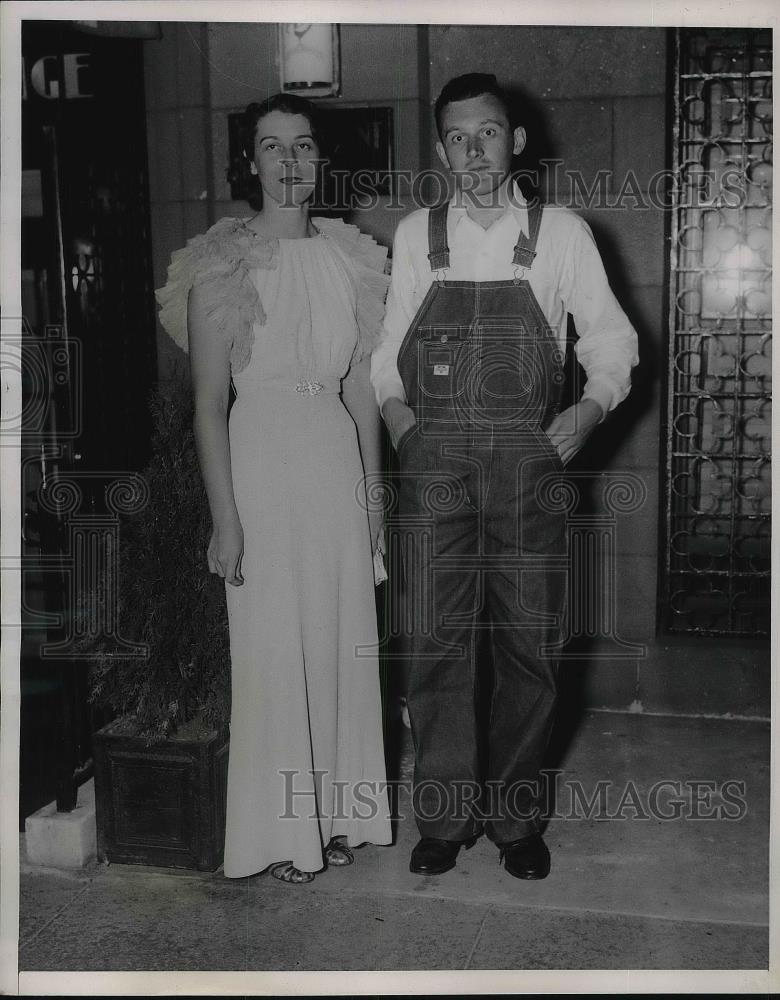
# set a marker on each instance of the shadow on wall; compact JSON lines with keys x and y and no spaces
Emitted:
{"x":536,"y":180}
{"x":646,"y":376}
{"x":538,"y":150}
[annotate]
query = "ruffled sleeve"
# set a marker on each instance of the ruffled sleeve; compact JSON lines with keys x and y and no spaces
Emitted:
{"x":369,"y":263}
{"x":219,"y":261}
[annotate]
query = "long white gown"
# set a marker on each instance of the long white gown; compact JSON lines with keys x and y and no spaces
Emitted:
{"x":306,"y":753}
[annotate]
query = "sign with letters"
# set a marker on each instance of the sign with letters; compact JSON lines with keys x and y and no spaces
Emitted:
{"x":55,"y":77}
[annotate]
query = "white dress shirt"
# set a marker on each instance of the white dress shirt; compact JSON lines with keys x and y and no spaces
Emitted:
{"x":567,"y":277}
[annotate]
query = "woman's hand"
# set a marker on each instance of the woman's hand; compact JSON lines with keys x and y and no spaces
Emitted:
{"x":376,"y":520}
{"x":225,"y":551}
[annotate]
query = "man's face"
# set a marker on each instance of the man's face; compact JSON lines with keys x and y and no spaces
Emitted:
{"x":477,"y":143}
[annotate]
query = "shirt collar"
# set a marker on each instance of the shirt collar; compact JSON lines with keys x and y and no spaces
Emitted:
{"x":518,"y":209}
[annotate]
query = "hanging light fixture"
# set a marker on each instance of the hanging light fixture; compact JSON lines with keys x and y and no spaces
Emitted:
{"x":309,"y":59}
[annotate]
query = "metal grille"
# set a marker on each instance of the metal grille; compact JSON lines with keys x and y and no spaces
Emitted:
{"x":718,"y":489}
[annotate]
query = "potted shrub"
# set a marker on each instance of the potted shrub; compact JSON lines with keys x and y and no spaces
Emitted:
{"x":161,"y":765}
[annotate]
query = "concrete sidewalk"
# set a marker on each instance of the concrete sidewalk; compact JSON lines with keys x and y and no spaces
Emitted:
{"x":638,"y":892}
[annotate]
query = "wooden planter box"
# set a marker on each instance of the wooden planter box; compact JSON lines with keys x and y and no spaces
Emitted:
{"x":161,"y":805}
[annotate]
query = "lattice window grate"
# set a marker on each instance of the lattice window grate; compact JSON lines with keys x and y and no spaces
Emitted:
{"x":718,"y":488}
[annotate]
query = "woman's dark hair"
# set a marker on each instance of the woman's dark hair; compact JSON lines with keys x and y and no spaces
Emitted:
{"x":461,"y":88}
{"x":290,"y":104}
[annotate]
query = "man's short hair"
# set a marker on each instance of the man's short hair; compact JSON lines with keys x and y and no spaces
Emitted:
{"x":461,"y":88}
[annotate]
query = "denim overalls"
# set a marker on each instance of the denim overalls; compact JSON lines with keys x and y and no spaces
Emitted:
{"x":485,"y":574}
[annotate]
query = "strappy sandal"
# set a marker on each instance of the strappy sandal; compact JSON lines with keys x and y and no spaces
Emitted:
{"x":286,"y":871}
{"x":338,"y":854}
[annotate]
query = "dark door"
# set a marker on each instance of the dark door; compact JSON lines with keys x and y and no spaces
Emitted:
{"x":88,"y":352}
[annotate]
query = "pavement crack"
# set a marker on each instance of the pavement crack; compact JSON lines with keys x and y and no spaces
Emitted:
{"x":54,"y":917}
{"x":478,"y":938}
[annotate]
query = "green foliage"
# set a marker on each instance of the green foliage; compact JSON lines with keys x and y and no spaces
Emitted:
{"x":167,"y":598}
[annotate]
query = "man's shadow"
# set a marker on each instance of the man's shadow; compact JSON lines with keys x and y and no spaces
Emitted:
{"x":581,"y":656}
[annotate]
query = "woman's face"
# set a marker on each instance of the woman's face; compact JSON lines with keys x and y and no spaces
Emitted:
{"x":286,"y":157}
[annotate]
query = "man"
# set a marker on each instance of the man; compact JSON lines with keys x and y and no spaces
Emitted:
{"x":468,"y":377}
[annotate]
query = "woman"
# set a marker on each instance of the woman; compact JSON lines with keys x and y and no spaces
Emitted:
{"x":290,"y":307}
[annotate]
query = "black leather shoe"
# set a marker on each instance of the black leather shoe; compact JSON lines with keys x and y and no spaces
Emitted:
{"x":434,"y":857}
{"x":526,"y":858}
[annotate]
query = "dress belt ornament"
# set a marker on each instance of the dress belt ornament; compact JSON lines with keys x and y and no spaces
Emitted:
{"x":311,"y":387}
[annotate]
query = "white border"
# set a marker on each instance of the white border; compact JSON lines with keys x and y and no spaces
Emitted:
{"x":632,"y":13}
{"x":390,"y":983}
{"x":587,"y":13}
{"x":10,"y":521}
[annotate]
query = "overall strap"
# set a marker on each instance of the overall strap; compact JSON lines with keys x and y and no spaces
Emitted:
{"x":525,"y":248}
{"x":438,"y":250}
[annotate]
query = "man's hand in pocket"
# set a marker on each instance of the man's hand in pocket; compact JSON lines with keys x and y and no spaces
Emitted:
{"x":398,"y":418}
{"x":571,"y":429}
